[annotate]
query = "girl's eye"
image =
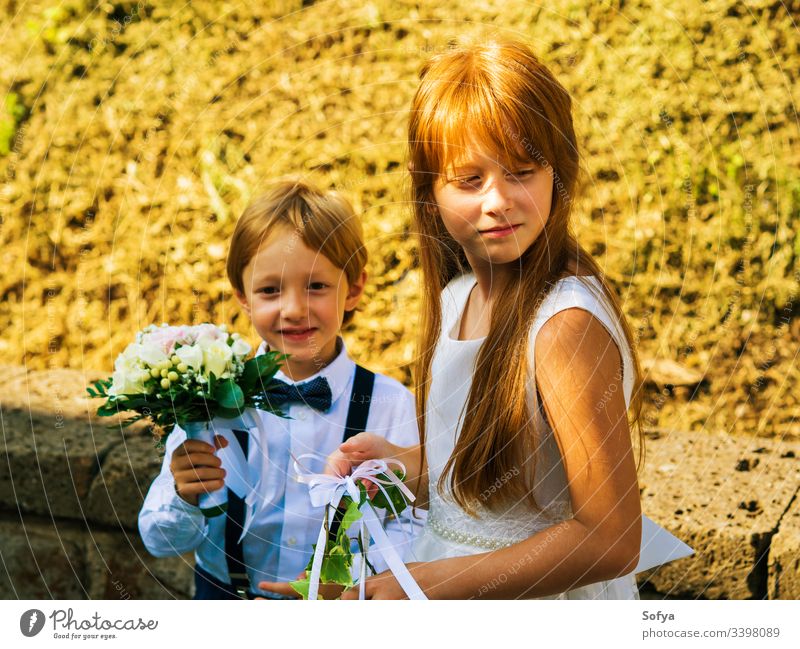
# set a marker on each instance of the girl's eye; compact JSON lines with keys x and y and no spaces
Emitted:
{"x":469,"y":181}
{"x":268,"y":290}
{"x":317,"y":286}
{"x":522,"y":173}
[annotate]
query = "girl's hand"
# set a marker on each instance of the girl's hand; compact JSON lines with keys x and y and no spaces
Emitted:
{"x":362,"y":447}
{"x":328,"y":591}
{"x":385,"y":586}
{"x":357,"y":449}
{"x":196,"y":470}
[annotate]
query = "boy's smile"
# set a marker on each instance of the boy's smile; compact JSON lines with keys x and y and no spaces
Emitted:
{"x":296,"y":298}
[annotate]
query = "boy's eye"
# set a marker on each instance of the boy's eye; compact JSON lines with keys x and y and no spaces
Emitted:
{"x":317,"y":286}
{"x":268,"y":290}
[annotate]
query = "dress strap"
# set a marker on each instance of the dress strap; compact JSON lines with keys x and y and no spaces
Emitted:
{"x":454,"y":298}
{"x":586,"y":293}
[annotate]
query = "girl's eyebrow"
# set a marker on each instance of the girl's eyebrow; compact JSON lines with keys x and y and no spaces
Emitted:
{"x":462,"y":168}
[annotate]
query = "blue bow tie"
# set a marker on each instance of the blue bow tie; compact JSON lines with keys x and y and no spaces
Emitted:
{"x":316,"y":393}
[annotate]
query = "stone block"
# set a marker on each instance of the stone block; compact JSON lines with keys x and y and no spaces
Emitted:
{"x":724,"y":496}
{"x":53,"y":447}
{"x":121,"y":483}
{"x":42,"y":561}
{"x":119,"y":567}
{"x":784,"y":556}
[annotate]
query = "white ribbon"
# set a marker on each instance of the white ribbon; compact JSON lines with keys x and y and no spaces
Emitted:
{"x":247,"y":479}
{"x":327,"y":490}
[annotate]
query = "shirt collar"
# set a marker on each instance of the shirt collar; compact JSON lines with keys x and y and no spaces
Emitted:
{"x":338,"y":372}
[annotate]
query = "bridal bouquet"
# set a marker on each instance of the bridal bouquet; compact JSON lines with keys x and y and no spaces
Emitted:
{"x":347,"y":504}
{"x":190,"y":376}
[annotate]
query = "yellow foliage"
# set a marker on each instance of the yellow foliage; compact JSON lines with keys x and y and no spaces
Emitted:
{"x":149,"y":126}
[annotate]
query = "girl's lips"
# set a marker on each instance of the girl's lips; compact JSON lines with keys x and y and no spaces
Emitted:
{"x":494,"y":234}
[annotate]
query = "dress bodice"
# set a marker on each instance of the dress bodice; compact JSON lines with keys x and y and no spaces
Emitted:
{"x":450,"y":531}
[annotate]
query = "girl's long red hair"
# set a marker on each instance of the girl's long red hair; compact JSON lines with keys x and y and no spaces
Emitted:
{"x":500,"y":96}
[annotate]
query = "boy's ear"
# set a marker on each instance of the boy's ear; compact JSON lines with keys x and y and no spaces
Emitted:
{"x":242,"y":298}
{"x":355,"y":291}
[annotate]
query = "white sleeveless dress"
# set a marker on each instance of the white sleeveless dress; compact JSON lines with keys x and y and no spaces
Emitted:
{"x":449,"y":530}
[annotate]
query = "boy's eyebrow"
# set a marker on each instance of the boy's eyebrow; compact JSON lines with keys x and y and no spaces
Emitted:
{"x":277,"y":277}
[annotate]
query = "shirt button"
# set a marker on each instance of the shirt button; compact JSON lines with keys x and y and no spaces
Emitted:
{"x":292,"y":541}
{"x":302,"y":415}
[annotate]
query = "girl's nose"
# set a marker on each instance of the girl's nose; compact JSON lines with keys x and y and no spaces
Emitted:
{"x":496,"y":200}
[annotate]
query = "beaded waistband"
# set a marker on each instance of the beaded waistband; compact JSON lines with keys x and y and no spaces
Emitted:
{"x":490,"y":543}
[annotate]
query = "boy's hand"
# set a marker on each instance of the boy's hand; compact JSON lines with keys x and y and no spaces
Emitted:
{"x":196,"y":470}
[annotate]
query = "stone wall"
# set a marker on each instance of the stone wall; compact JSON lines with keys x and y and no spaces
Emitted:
{"x":70,"y":492}
{"x":71,"y":488}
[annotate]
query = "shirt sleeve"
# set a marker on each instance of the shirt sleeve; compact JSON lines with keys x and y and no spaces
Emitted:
{"x":168,"y":525}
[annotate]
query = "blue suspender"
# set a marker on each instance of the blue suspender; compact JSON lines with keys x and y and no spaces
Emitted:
{"x":357,"y":414}
{"x":234,"y":522}
{"x":360,"y":399}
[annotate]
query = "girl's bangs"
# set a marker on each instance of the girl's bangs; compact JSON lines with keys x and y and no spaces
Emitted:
{"x":473,"y":117}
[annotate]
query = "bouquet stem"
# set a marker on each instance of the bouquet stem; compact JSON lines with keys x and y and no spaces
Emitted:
{"x":214,"y":503}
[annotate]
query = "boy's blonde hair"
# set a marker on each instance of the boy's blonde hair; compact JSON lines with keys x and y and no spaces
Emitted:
{"x":324,"y":221}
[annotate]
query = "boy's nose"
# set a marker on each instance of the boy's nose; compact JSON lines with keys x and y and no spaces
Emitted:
{"x":293,"y":306}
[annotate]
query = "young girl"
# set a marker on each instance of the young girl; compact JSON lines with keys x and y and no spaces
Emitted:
{"x":526,"y":370}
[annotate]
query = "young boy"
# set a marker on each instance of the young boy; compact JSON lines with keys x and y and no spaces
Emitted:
{"x":296,"y":264}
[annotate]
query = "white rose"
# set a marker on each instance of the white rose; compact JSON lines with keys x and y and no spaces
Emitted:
{"x":216,"y":357}
{"x":192,"y":355}
{"x":152,"y":354}
{"x":129,"y":375}
{"x":240,"y":348}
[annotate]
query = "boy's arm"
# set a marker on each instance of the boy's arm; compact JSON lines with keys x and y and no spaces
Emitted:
{"x":168,"y":525}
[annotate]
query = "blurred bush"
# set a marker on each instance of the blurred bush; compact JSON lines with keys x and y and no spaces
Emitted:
{"x":135,"y":133}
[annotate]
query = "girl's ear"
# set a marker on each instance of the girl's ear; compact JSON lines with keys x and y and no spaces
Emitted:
{"x":355,"y":291}
{"x":242,"y":298}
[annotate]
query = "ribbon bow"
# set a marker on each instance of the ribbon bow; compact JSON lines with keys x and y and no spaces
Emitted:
{"x":325,"y":489}
{"x":316,"y":393}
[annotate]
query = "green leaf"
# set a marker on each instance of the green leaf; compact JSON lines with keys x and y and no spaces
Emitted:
{"x":351,"y":515}
{"x":229,"y":395}
{"x":250,"y":374}
{"x":301,"y":587}
{"x":227,"y":413}
{"x":396,"y":496}
{"x":336,"y":566}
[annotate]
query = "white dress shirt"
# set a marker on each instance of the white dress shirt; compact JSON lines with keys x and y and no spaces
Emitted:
{"x":278,"y":544}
